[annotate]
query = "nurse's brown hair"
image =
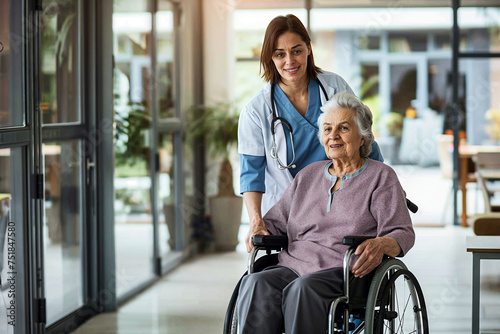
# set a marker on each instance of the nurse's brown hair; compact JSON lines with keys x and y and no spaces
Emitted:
{"x":277,"y":27}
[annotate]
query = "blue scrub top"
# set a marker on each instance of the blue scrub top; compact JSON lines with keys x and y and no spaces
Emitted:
{"x":308,"y":149}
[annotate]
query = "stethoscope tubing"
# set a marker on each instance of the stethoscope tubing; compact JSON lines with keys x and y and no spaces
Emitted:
{"x":277,"y":118}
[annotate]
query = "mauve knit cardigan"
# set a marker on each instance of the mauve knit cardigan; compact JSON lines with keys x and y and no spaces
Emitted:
{"x":370,"y":202}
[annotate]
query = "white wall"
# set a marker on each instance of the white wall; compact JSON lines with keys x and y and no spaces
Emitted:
{"x":218,"y":53}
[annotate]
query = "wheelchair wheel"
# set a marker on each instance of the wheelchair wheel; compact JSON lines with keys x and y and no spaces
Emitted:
{"x":395,"y":302}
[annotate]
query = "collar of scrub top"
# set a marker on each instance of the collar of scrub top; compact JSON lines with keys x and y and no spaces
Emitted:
{"x":276,"y":118}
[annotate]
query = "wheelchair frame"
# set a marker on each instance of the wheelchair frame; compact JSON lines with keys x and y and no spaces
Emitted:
{"x":380,"y":313}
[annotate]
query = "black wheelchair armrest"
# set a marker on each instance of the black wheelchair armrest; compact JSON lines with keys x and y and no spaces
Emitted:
{"x":270,"y":242}
{"x":354,"y":241}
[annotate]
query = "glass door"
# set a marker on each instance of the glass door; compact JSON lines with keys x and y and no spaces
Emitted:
{"x":15,"y":240}
{"x":66,"y":158}
{"x":63,"y":227}
{"x":10,"y":66}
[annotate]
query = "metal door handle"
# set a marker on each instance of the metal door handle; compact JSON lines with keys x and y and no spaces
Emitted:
{"x":90,"y":165}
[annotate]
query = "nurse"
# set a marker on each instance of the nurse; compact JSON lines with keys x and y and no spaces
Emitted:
{"x":295,"y":90}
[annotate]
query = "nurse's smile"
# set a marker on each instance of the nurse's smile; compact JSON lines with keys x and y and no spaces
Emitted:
{"x":293,"y":70}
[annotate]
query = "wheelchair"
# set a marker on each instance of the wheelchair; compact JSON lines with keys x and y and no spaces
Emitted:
{"x":392,"y":302}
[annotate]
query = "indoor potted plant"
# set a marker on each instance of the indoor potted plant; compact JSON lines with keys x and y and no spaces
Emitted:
{"x":218,"y":126}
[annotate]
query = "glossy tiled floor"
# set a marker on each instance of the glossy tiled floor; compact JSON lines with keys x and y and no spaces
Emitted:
{"x":192,"y":299}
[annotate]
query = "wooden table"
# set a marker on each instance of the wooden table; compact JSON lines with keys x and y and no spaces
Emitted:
{"x":466,"y":153}
{"x":482,"y":248}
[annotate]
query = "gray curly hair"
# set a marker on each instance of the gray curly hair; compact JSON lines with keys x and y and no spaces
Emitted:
{"x":363,"y":118}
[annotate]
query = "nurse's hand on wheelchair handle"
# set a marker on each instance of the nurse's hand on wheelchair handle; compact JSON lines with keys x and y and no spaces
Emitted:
{"x":256,"y":228}
{"x":371,"y":253}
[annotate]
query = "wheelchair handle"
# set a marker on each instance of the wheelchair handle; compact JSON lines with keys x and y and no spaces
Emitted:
{"x":411,"y":206}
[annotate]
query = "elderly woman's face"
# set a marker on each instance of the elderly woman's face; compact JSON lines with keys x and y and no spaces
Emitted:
{"x":341,"y":138}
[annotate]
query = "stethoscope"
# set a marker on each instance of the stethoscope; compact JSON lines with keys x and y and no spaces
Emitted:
{"x":273,"y":151}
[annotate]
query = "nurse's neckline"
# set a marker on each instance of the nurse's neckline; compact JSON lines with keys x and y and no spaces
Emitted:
{"x":291,"y":90}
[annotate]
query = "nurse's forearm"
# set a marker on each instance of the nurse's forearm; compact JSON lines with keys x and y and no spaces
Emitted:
{"x":253,"y":201}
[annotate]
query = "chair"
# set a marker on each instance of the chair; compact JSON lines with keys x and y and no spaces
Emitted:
{"x":485,"y":163}
{"x":394,"y":302}
{"x":489,"y":222}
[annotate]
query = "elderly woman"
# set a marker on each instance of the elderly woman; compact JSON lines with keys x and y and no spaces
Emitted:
{"x":349,"y":194}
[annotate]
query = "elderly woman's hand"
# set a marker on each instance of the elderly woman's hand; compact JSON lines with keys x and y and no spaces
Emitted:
{"x":257,"y":227}
{"x":371,"y":252}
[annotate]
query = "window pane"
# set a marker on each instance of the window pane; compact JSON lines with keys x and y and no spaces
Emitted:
{"x":248,"y":82}
{"x":165,"y":62}
{"x":440,"y":85}
{"x":442,"y":40}
{"x":407,"y":42}
{"x":369,"y":42}
{"x":60,"y":62}
{"x":11,"y":108}
{"x":400,"y":121}
{"x":482,"y":101}
{"x":440,"y":100}
{"x":62,"y":228}
{"x":480,"y":29}
{"x":403,"y":87}
{"x":370,"y":92}
{"x":248,"y":44}
{"x":132,"y":75}
{"x":166,"y":194}
{"x":12,"y":247}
